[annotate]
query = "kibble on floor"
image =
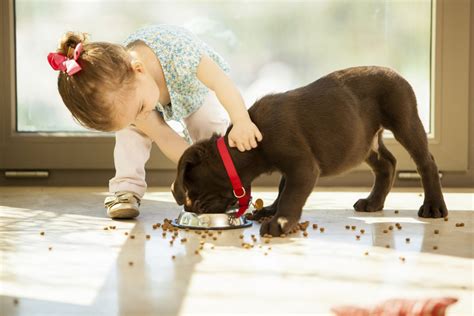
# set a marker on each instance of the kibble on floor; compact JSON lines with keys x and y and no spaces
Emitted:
{"x":200,"y":258}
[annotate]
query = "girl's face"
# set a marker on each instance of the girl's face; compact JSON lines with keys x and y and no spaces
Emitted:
{"x":138,"y":100}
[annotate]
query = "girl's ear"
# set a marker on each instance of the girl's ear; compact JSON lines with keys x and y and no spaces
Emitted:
{"x":138,"y":66}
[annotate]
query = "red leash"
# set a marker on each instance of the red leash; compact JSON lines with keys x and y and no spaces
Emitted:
{"x":238,"y":188}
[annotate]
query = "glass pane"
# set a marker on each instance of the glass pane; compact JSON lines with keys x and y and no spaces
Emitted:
{"x":271,"y":46}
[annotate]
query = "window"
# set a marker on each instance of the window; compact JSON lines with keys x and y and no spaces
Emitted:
{"x":271,"y":46}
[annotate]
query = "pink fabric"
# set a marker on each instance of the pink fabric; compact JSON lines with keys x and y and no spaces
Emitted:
{"x":400,"y":307}
{"x":63,"y":63}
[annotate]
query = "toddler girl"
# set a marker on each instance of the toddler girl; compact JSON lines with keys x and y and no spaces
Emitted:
{"x":161,"y":73}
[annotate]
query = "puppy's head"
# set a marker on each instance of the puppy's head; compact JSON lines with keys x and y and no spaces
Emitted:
{"x":201,"y":183}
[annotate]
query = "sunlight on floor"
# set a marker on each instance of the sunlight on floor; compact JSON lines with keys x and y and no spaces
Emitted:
{"x":75,"y":268}
{"x":294,"y":270}
{"x":91,"y":271}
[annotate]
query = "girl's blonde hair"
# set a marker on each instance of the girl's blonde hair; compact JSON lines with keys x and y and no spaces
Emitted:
{"x":106,"y":68}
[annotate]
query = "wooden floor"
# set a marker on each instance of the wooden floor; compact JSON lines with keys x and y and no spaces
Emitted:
{"x":78,"y":268}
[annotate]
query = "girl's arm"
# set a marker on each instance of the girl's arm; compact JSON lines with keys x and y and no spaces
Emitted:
{"x":170,"y":143}
{"x":244,"y":134}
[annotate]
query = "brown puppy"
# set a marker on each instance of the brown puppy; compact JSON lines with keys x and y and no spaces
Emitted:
{"x":322,"y":129}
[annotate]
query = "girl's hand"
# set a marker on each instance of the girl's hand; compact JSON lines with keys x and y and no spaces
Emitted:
{"x":244,"y":135}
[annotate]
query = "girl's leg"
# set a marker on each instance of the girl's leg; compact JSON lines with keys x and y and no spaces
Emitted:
{"x":210,"y":118}
{"x":132,"y":151}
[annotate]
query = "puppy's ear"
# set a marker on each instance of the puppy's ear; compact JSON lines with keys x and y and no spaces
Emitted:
{"x":191,"y":157}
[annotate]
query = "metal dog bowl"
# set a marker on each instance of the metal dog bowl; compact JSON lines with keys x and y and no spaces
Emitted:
{"x":210,"y":221}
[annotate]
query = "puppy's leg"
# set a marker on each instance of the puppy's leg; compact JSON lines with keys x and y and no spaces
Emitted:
{"x":400,"y":115}
{"x":299,"y":183}
{"x":414,"y":139}
{"x":383,"y":165}
{"x":271,"y":209}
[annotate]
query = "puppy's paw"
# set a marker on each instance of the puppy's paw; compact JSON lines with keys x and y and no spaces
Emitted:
{"x":367,"y":205}
{"x":277,"y":226}
{"x":433,"y":209}
{"x":267,"y":211}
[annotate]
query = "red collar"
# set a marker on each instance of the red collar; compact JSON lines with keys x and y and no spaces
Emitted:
{"x":238,"y":188}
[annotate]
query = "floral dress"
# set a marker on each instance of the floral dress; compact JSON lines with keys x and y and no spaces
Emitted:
{"x":179,"y":52}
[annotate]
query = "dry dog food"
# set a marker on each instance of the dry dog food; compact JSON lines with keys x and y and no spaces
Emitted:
{"x":436,"y":231}
{"x":315,"y":226}
{"x":407,"y":240}
{"x":148,"y":236}
{"x":42,"y":233}
{"x":258,"y":204}
{"x":348,"y":227}
{"x":247,"y":245}
{"x":303,"y":225}
{"x":362,"y":231}
{"x":132,"y":236}
{"x":130,"y":263}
